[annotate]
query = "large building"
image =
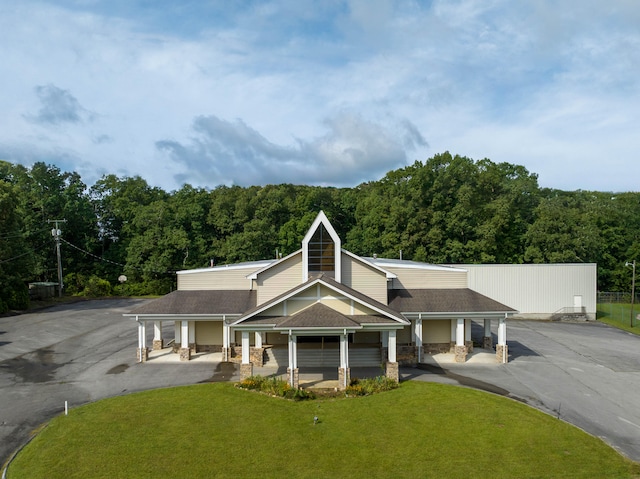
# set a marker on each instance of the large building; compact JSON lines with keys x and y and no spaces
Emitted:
{"x":324,"y":306}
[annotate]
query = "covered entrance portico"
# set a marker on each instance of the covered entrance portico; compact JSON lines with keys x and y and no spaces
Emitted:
{"x":313,"y":348}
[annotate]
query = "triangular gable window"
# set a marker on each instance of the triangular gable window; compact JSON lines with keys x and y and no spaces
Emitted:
{"x":321,"y":250}
{"x":322,"y":253}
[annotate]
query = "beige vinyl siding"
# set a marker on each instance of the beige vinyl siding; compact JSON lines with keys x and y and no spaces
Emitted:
{"x":437,"y":331}
{"x":276,"y":338}
{"x":218,"y":278}
{"x":296,"y":305}
{"x":279,"y":278}
{"x":208,"y":332}
{"x":363,"y":278}
{"x":416,"y":278}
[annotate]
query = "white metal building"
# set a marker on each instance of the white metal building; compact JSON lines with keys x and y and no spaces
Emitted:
{"x":538,"y":291}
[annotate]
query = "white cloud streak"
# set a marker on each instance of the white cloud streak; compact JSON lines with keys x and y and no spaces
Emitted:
{"x":334,"y":92}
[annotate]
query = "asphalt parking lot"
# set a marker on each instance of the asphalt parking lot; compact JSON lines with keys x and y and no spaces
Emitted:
{"x":585,"y":373}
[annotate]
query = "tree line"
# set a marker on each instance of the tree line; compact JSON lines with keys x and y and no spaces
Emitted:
{"x":448,"y":209}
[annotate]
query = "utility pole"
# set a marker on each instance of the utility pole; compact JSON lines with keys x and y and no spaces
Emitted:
{"x":55,"y":232}
{"x":633,"y":287}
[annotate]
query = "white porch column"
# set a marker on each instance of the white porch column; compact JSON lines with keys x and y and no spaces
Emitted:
{"x":225,"y":341}
{"x":460,"y":332}
{"x":185,"y":352}
{"x":157,"y":330}
{"x":467,"y":335}
{"x":344,"y":373}
{"x":502,"y":331}
{"x":245,"y":347}
{"x":184,"y":334}
{"x":392,"y":346}
{"x":292,"y":370}
{"x":418,"y":339}
{"x":143,"y":352}
{"x":246,"y":368}
{"x":487,"y":339}
{"x":258,"y":339}
{"x":460,"y":350}
{"x":502,"y":350}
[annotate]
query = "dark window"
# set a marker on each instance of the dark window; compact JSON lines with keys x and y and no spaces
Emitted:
{"x":322,"y":250}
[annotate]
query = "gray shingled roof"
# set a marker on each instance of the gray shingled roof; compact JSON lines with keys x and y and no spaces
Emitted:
{"x":200,"y":302}
{"x":319,"y":316}
{"x":444,"y":301}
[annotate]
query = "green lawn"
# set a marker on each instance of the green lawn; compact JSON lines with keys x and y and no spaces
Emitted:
{"x":216,"y":430}
{"x":619,"y":316}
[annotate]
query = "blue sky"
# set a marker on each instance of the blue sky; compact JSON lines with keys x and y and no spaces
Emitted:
{"x":321,"y":92}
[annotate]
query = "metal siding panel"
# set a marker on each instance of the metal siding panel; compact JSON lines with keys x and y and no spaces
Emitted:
{"x":413,"y":278}
{"x":536,"y":288}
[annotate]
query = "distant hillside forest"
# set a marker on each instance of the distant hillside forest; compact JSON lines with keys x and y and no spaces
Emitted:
{"x":449,"y":209}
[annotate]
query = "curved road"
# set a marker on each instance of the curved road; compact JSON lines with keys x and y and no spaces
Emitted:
{"x":585,"y":373}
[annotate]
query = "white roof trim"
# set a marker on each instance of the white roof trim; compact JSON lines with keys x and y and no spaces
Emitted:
{"x":262,"y":264}
{"x":403,"y":263}
{"x":302,"y":287}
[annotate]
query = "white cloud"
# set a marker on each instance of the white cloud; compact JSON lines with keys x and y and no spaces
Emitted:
{"x":352,"y":150}
{"x":327,"y":93}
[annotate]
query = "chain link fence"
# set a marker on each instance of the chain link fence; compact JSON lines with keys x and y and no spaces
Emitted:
{"x":616,"y":306}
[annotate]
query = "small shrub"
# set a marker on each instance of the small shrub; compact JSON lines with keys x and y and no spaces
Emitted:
{"x":368,"y":386}
{"x":274,"y":386}
{"x":97,"y":287}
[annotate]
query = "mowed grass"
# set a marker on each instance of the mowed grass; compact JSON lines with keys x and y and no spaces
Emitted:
{"x":619,"y":316}
{"x":216,"y":430}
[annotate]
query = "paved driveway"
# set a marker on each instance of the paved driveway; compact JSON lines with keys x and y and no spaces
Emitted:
{"x":587,"y":374}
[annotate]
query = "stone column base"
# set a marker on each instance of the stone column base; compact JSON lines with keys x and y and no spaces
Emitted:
{"x":469,"y":345}
{"x":158,"y":344}
{"x":193,"y":348}
{"x":142,"y":354}
{"x":344,"y":378}
{"x":293,"y":377}
{"x":256,"y":356}
{"x":185,"y":354}
{"x":246,"y":371}
{"x":392,"y":371}
{"x":226,"y":354}
{"x":461,"y":354}
{"x":502,"y":353}
{"x":487,"y":342}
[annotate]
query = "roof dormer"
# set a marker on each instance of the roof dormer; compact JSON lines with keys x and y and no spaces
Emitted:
{"x":321,"y":249}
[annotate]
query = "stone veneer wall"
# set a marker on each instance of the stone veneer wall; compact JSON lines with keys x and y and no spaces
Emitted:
{"x":392,"y":371}
{"x":499,"y":352}
{"x":256,"y":356}
{"x":246,"y":371}
{"x":158,"y":344}
{"x":461,"y":354}
{"x":436,"y":348}
{"x":209,"y":348}
{"x":142,"y":354}
{"x":296,"y":377}
{"x":344,"y":377}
